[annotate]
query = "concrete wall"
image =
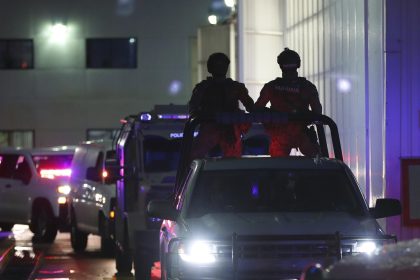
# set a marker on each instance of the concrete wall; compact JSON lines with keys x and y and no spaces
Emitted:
{"x":60,"y":98}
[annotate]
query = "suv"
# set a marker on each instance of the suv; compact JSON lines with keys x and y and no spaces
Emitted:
{"x":92,"y":195}
{"x":260,"y":217}
{"x":33,"y":189}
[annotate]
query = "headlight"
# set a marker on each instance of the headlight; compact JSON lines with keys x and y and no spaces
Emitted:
{"x":64,"y":189}
{"x":367,"y":247}
{"x":200,"y":252}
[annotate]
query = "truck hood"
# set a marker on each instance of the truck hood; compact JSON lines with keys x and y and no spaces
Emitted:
{"x":218,"y":225}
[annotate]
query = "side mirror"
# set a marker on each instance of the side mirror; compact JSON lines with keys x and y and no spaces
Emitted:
{"x":386,"y":207}
{"x":162,"y":209}
{"x":112,"y":169}
{"x":92,"y":174}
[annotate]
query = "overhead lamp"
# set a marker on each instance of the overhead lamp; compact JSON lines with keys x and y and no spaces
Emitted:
{"x":230,"y":3}
{"x":58,"y":32}
{"x":212,"y":19}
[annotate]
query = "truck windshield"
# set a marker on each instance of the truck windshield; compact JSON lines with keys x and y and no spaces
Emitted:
{"x":274,"y":191}
{"x":161,"y":154}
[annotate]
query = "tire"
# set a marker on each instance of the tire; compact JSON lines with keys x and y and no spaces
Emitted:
{"x":6,"y":226}
{"x":107,"y":244}
{"x":123,"y":257}
{"x":124,"y":263}
{"x":43,"y":224}
{"x":78,"y":239}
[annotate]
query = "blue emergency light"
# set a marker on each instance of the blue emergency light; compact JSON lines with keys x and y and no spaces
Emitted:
{"x":172,"y":116}
{"x":145,"y":117}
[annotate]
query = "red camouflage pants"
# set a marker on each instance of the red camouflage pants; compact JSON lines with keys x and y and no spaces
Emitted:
{"x":211,"y":135}
{"x":288,"y":136}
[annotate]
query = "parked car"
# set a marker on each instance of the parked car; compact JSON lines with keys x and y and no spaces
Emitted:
{"x":92,"y":196}
{"x":34,"y":189}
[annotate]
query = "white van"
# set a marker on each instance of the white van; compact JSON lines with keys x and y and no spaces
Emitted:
{"x":34,"y":189}
{"x":93,"y":195}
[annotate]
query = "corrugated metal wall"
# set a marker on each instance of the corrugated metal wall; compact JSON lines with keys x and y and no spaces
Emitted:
{"x":331,"y":39}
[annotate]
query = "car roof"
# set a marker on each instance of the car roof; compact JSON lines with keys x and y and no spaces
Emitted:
{"x":101,"y":144}
{"x":61,"y":150}
{"x":266,"y":162}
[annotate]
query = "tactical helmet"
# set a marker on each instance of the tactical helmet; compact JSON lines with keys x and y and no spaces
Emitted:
{"x":288,"y":59}
{"x":218,"y":64}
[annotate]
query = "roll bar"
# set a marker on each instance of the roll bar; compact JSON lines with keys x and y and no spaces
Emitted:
{"x":318,"y":120}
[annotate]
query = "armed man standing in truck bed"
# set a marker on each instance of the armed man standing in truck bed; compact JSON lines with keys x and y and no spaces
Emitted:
{"x":218,"y":94}
{"x":291,"y":94}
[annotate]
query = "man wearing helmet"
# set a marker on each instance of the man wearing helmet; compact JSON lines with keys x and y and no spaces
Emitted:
{"x":290,"y":93}
{"x":218,"y":94}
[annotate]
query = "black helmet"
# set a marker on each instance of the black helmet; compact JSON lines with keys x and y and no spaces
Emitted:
{"x":288,"y":59}
{"x":218,"y":64}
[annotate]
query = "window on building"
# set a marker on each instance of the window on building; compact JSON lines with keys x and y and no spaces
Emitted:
{"x":101,"y":134}
{"x":17,"y":138}
{"x":111,"y":53}
{"x":16,"y":54}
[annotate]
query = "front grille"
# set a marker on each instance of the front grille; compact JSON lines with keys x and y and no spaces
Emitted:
{"x":272,"y":257}
{"x":269,"y":251}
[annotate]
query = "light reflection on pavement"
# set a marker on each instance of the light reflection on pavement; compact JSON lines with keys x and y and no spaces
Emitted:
{"x":59,"y":262}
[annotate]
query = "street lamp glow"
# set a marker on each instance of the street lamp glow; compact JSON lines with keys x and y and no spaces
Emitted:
{"x":230,"y":3}
{"x":212,"y":19}
{"x":59,"y":33}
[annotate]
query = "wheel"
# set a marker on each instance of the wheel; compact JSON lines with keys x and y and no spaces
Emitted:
{"x":124,"y":263}
{"x":43,"y":224}
{"x":107,"y":244}
{"x":78,"y":239}
{"x":123,"y":256}
{"x":6,"y":226}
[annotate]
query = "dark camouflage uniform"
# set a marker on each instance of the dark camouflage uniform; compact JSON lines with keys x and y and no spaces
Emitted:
{"x":218,"y":95}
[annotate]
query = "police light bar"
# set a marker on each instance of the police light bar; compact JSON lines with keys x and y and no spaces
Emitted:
{"x":52,"y":173}
{"x":173,"y":116}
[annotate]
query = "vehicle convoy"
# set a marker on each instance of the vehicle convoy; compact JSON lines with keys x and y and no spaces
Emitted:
{"x":34,"y":189}
{"x":92,"y":196}
{"x":260,"y":217}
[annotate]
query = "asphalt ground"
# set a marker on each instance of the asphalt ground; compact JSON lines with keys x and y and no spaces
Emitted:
{"x":20,"y":259}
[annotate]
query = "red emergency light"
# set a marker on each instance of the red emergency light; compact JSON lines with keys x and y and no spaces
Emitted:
{"x":52,"y":173}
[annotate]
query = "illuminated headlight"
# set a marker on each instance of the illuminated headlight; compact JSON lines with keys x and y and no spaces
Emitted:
{"x":367,"y":247}
{"x":64,"y":189}
{"x":199,"y":252}
{"x":62,"y":200}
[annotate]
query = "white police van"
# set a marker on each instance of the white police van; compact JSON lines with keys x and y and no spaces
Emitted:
{"x":92,"y":196}
{"x":34,"y":189}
